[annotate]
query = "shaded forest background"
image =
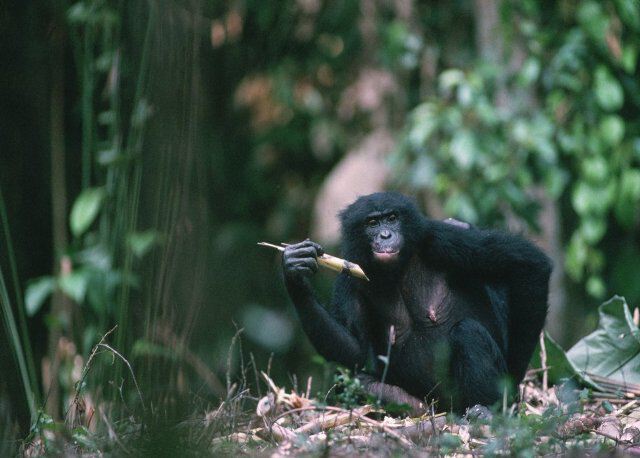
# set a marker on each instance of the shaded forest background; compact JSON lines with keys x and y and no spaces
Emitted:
{"x":147,"y":146}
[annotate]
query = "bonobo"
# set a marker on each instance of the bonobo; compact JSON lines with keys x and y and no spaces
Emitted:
{"x":459,"y":308}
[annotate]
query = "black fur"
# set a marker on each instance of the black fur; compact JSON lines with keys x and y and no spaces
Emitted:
{"x":466,"y":305}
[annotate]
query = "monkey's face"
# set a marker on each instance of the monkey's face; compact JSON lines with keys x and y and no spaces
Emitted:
{"x":383,"y":230}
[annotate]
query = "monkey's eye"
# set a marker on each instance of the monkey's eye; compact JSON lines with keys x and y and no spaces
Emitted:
{"x":372,"y":222}
{"x":392,"y":217}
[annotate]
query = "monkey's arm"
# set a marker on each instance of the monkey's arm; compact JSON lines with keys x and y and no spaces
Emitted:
{"x":500,"y":258}
{"x":332,"y":338}
{"x":391,"y":394}
{"x":493,"y":255}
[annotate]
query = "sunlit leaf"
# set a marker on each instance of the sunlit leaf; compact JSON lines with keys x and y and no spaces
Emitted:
{"x":78,"y":13}
{"x":593,"y":229}
{"x":595,"y":169}
{"x":612,"y":130}
{"x":595,"y":287}
{"x":593,"y":20}
{"x":85,"y":210}
{"x":462,"y":149}
{"x":450,"y":78}
{"x":529,"y":72}
{"x":37,"y":292}
{"x":608,"y":90}
{"x":141,"y":242}
{"x":74,"y":285}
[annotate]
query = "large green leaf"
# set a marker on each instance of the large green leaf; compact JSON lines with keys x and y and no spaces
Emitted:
{"x":613,"y":349}
{"x":85,"y":209}
{"x":559,"y":366}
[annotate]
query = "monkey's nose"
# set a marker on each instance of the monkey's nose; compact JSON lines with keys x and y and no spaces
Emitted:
{"x":385,"y":234}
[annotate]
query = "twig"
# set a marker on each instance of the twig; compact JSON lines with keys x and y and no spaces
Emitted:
{"x":424,"y":427}
{"x":387,"y":360}
{"x":85,"y":370}
{"x":543,"y":363}
{"x":325,"y":422}
{"x":625,"y":408}
{"x":255,"y":374}
{"x":308,"y":392}
{"x":403,"y":440}
{"x":626,"y":386}
{"x":135,"y":382}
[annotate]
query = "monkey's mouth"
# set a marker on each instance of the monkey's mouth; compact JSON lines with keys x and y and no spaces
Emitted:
{"x":386,"y":256}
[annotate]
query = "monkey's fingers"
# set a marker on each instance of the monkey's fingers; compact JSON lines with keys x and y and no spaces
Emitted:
{"x":306,"y":243}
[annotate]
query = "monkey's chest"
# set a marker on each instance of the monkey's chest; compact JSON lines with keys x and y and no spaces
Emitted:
{"x":422,"y":308}
{"x":427,"y":298}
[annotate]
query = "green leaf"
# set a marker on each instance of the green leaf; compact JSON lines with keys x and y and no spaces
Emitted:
{"x":423,"y":172}
{"x":529,"y":72}
{"x":141,"y":242}
{"x":423,"y":125}
{"x":450,"y":78}
{"x":629,"y":58}
{"x":613,"y":349}
{"x":612,"y":130}
{"x":593,"y":21}
{"x":608,"y":90}
{"x":593,"y":229}
{"x":74,"y":285}
{"x":560,"y":367}
{"x":85,"y":209}
{"x":78,"y":13}
{"x":106,"y":118}
{"x":595,"y":169}
{"x":143,"y":347}
{"x":590,"y":199}
{"x":555,"y":181}
{"x":629,"y":13}
{"x":628,"y":198}
{"x":596,"y":287}
{"x":462,"y":149}
{"x":576,"y":258}
{"x":37,"y":292}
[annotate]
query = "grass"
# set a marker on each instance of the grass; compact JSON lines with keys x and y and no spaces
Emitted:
{"x":17,"y":331}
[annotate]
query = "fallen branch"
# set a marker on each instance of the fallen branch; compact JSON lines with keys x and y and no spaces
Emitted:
{"x":325,"y":422}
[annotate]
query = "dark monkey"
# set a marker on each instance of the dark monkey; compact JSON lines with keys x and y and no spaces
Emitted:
{"x":466,"y":305}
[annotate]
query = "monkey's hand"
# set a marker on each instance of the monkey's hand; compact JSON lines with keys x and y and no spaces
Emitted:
{"x":299,"y":260}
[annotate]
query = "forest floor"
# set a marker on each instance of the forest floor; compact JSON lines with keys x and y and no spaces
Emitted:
{"x":547,"y":421}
